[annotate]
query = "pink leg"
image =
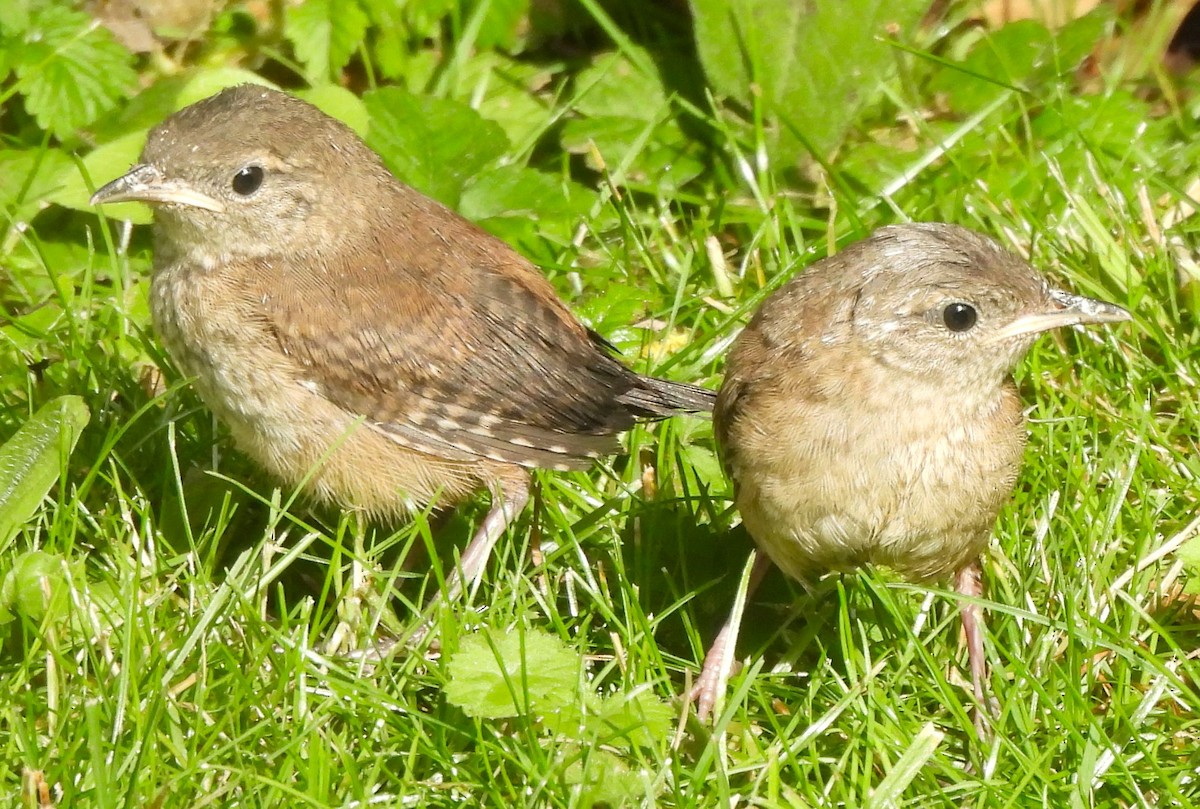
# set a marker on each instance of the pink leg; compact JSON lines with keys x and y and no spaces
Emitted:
{"x":969,"y":582}
{"x":507,"y":503}
{"x":718,"y":663}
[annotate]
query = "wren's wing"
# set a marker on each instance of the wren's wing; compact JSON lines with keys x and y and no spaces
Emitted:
{"x":458,"y":362}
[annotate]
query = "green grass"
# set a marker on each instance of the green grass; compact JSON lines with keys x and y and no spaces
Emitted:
{"x":189,"y":665}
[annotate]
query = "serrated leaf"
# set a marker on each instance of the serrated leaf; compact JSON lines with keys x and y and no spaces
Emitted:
{"x":30,"y":461}
{"x":814,"y":65}
{"x":618,"y":720}
{"x":433,"y":144}
{"x":325,"y":34}
{"x":70,"y":70}
{"x":497,"y":674}
{"x":641,"y":717}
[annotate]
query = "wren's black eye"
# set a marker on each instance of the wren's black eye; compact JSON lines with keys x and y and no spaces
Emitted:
{"x":247,"y":180}
{"x":959,"y":316}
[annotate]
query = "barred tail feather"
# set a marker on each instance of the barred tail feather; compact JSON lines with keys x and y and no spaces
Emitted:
{"x":659,"y":398}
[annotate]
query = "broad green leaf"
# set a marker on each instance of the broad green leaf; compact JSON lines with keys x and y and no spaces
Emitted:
{"x":27,"y":176}
{"x":102,"y":164}
{"x":613,"y":86}
{"x":1020,"y":55}
{"x":145,"y":110}
{"x":211,"y":81}
{"x":411,"y":19}
{"x":1002,"y":60}
{"x":604,"y":141}
{"x":505,"y":91}
{"x":35,"y":586}
{"x":14,"y":18}
{"x":49,"y":272}
{"x":424,"y":17}
{"x":703,"y":463}
{"x":642,"y":151}
{"x":503,"y":25}
{"x":812,"y":64}
{"x":619,"y":720}
{"x":625,"y":127}
{"x":325,"y":34}
{"x":341,"y":104}
{"x":30,"y":461}
{"x":1115,"y":122}
{"x":389,"y":48}
{"x":70,"y":70}
{"x":615,"y":303}
{"x":512,"y":673}
{"x":522,"y":193}
{"x":671,"y":160}
{"x":1077,"y":40}
{"x":433,"y":144}
{"x":605,"y":780}
{"x":519,"y":204}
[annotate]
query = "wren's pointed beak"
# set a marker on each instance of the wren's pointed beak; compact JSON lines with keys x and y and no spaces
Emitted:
{"x":145,"y":183}
{"x":1066,"y":309}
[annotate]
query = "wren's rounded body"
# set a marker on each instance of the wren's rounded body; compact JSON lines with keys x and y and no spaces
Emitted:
{"x":868,"y":413}
{"x":871,"y":470}
{"x":214,"y":332}
{"x":357,"y":337}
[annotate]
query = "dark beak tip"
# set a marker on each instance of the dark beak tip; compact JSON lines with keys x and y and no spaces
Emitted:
{"x":1092,"y":310}
{"x":125,"y":187}
{"x":106,"y":192}
{"x":1113,"y":313}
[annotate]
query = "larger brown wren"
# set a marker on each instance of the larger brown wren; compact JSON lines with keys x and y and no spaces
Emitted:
{"x":359,"y":338}
{"x":869,"y":416}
